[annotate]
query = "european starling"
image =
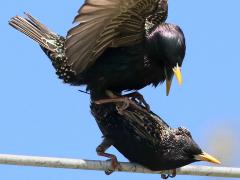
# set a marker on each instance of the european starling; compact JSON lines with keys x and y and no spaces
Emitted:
{"x":144,"y":138}
{"x":117,"y":45}
{"x":125,"y":45}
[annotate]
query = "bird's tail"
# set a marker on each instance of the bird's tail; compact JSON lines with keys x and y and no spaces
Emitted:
{"x":36,"y":31}
{"x":51,"y":43}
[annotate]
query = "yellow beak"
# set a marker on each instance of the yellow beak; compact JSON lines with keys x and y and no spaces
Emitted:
{"x":178,"y":74}
{"x":168,"y":86}
{"x":207,"y":157}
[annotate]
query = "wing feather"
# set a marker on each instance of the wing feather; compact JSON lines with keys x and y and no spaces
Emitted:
{"x":148,"y":126}
{"x":103,"y":24}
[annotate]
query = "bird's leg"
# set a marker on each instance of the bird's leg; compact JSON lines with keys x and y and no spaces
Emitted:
{"x":101,"y":152}
{"x":174,"y":173}
{"x":125,"y":101}
{"x":137,"y":97}
{"x":166,"y":176}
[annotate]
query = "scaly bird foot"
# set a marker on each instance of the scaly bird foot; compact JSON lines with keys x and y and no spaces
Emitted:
{"x":125,"y":102}
{"x":115,"y":165}
{"x":101,"y":152}
{"x":139,"y":99}
{"x":166,"y":176}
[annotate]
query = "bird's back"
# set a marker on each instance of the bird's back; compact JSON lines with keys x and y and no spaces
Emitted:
{"x":137,"y":135}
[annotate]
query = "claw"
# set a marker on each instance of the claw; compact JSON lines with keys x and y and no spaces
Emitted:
{"x":109,"y":172}
{"x":114,"y":165}
{"x":125,"y":102}
{"x":123,"y":107}
{"x":137,"y":97}
{"x":113,"y":159}
{"x":134,"y":99}
{"x":166,"y":176}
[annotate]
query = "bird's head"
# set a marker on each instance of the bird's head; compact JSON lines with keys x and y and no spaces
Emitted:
{"x":166,"y":45}
{"x":187,"y":151}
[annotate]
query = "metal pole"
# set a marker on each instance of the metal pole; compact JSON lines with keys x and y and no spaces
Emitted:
{"x":51,"y":162}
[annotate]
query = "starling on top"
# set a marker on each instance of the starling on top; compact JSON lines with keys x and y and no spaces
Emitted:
{"x":125,"y":45}
{"x":144,"y":138}
{"x":116,"y":45}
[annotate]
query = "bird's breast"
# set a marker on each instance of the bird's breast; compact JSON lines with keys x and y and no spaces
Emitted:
{"x":123,"y":69}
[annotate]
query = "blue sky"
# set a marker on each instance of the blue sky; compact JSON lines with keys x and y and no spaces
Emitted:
{"x":40,"y":115}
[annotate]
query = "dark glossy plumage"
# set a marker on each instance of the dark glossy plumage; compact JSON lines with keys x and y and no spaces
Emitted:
{"x":124,"y":45}
{"x":117,"y":45}
{"x":145,"y":138}
{"x":104,"y":24}
{"x":136,"y":66}
{"x":51,"y":43}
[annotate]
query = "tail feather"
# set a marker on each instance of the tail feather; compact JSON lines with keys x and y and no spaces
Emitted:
{"x":36,"y":31}
{"x":52,"y":44}
{"x":40,"y":26}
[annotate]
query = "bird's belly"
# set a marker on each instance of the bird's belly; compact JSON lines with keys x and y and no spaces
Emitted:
{"x":118,"y":77}
{"x":138,"y":151}
{"x":123,"y":69}
{"x":126,"y":80}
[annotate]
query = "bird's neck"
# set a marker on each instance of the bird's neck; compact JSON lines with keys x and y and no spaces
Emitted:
{"x":154,"y":51}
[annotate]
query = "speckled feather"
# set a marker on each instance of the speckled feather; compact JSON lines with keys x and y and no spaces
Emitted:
{"x":89,"y":15}
{"x":141,"y":51}
{"x":145,"y":138}
{"x":51,"y":43}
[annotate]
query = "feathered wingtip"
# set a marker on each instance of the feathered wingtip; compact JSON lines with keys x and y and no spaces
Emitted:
{"x":34,"y":29}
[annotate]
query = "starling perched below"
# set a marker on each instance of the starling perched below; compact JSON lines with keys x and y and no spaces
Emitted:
{"x":144,"y":138}
{"x":116,"y":45}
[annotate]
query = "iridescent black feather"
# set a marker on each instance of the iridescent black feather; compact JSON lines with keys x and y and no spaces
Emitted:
{"x":116,"y":45}
{"x":144,"y":138}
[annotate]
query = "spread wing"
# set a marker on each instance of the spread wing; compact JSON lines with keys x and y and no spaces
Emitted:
{"x":158,"y":17}
{"x":106,"y":23}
